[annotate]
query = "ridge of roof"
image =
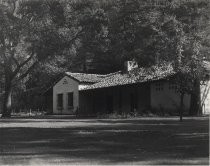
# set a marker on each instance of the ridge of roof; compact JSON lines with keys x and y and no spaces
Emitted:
{"x":110,"y":74}
{"x":86,"y":78}
{"x":70,"y":73}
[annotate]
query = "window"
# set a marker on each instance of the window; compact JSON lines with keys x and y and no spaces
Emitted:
{"x":172,"y":86}
{"x":60,"y":101}
{"x":70,"y":100}
{"x":1,"y":87}
{"x":159,"y":86}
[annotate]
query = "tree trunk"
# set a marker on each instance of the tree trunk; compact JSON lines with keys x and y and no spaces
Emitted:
{"x":195,"y":103}
{"x":181,"y":110}
{"x":7,"y":103}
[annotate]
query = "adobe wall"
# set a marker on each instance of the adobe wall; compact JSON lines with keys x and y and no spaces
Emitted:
{"x":64,"y":86}
{"x":165,"y":97}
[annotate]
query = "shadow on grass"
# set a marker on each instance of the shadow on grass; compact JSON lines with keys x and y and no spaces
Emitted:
{"x":140,"y":120}
{"x":133,"y":141}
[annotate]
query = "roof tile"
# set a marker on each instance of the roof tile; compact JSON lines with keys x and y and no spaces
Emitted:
{"x":139,"y":75}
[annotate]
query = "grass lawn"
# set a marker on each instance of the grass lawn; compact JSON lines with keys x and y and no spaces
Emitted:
{"x":104,"y":141}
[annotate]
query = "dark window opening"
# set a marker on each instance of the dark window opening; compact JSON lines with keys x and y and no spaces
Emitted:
{"x":172,"y":87}
{"x":133,"y":102}
{"x":109,"y":104}
{"x":60,"y":101}
{"x":120,"y":101}
{"x":159,"y":86}
{"x":1,"y":88}
{"x":70,"y":99}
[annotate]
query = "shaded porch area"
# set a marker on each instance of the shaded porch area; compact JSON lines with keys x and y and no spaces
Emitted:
{"x":119,"y":99}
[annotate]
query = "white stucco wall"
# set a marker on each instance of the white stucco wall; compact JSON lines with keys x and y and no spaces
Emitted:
{"x":167,"y":99}
{"x":206,"y":105}
{"x":64,"y":86}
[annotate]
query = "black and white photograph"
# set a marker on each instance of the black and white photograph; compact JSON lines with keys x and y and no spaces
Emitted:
{"x":104,"y":82}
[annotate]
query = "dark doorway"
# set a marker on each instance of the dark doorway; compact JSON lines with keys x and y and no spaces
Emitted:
{"x":60,"y":101}
{"x":109,"y":103}
{"x":133,"y":102}
{"x":120,"y":101}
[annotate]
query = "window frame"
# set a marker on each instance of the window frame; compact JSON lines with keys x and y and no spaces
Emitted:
{"x":172,"y":86}
{"x":159,"y":86}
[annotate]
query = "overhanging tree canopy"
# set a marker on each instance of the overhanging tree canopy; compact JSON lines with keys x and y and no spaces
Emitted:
{"x":29,"y":34}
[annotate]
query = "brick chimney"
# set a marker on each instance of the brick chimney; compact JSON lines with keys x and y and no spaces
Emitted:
{"x":130,"y":65}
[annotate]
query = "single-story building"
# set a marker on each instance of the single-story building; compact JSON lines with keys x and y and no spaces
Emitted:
{"x":133,"y":90}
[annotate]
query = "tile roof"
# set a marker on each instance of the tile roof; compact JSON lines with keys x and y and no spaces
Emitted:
{"x":86,"y":78}
{"x":80,"y":77}
{"x":139,"y":75}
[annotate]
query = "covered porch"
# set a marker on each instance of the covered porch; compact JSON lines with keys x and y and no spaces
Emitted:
{"x":117,"y":99}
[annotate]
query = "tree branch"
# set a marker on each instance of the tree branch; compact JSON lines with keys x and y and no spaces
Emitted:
{"x":2,"y":39}
{"x":22,"y":64}
{"x":14,"y":7}
{"x":75,"y":37}
{"x":28,"y":71}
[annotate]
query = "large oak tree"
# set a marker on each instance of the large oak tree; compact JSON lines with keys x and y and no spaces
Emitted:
{"x":29,"y":34}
